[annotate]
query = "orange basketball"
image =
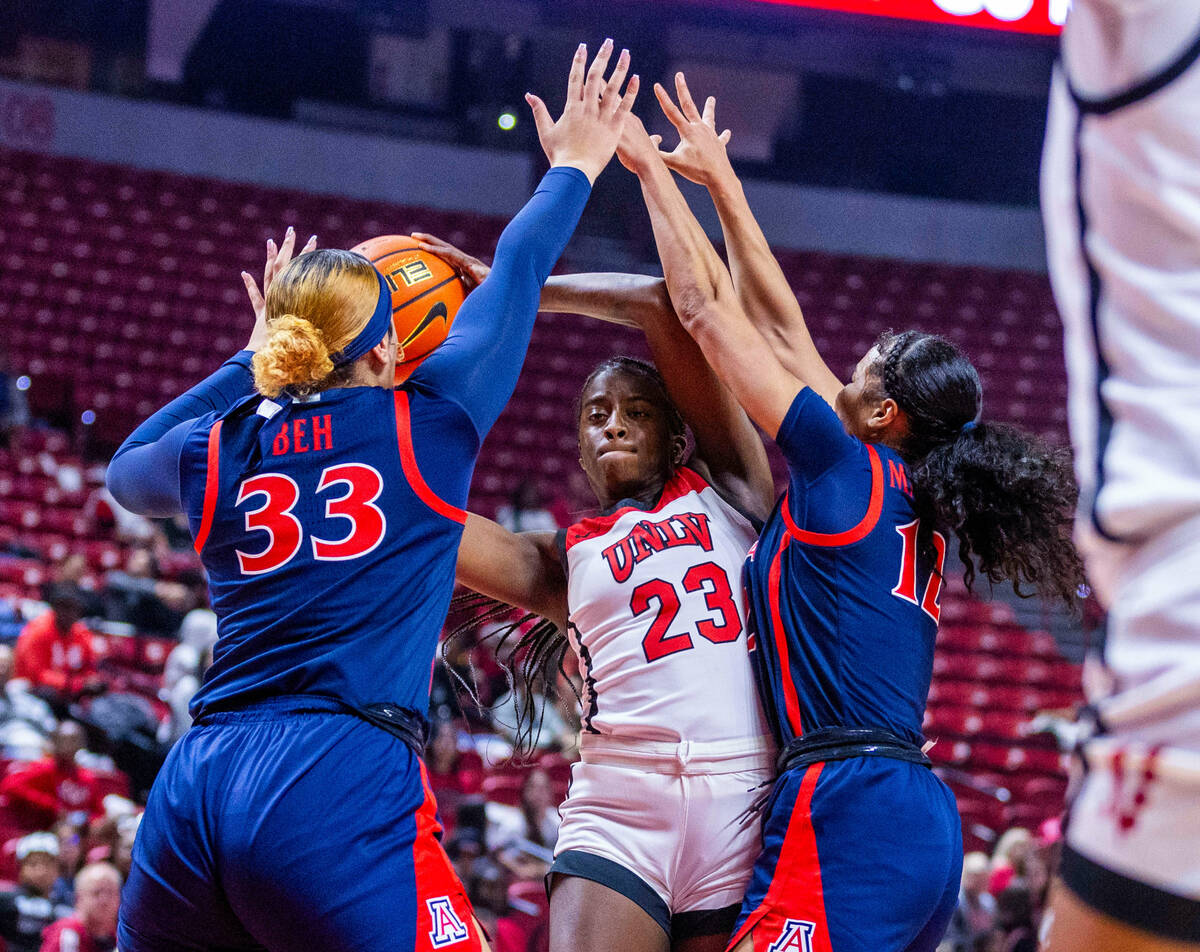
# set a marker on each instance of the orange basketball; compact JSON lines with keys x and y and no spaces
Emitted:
{"x":426,"y":294}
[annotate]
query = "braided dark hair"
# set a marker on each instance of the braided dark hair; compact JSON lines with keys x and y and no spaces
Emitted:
{"x":1007,"y":495}
{"x":529,"y":649}
{"x":643,"y":370}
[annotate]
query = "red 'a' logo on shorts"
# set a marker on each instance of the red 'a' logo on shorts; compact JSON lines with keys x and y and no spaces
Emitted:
{"x":795,"y":937}
{"x":447,"y":927}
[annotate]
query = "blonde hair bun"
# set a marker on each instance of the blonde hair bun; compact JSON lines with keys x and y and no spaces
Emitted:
{"x":295,"y":356}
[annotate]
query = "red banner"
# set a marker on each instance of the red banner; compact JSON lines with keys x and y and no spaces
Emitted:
{"x":1044,"y":17}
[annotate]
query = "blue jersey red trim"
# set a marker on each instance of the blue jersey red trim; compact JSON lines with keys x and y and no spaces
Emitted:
{"x":408,"y":460}
{"x":797,"y":871}
{"x":791,"y":699}
{"x":212,"y":473}
{"x":850,"y":536}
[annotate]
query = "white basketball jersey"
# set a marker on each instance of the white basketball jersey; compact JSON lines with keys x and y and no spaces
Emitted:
{"x":657,"y":617}
{"x":1121,"y":202}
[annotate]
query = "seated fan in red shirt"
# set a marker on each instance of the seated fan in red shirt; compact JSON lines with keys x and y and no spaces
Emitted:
{"x":54,"y":788}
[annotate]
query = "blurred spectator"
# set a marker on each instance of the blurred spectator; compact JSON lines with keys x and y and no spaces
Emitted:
{"x":14,"y":409}
{"x":1014,"y":921}
{"x":54,"y":651}
{"x":518,"y":711}
{"x":72,"y":570}
{"x":184,"y":671}
{"x":70,"y":860}
{"x":93,"y":926}
{"x":27,"y":908}
{"x":451,"y":769}
{"x":535,"y":819}
{"x":137,"y":597}
{"x":524,"y":511}
{"x":25,"y":721}
{"x":55,"y":788}
{"x":1008,"y":858}
{"x":976,"y":909}
{"x":108,"y":516}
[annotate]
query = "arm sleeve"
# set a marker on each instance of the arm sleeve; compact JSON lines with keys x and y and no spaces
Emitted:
{"x":477,"y":365}
{"x":812,"y":437}
{"x":144,"y":474}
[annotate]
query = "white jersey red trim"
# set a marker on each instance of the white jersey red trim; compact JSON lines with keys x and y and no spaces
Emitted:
{"x":657,"y":616}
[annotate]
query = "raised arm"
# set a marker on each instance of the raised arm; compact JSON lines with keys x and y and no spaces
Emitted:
{"x":607,"y":296}
{"x":703,"y":295}
{"x":144,"y":473}
{"x":478,"y":363}
{"x":518,"y":568}
{"x":726,"y":442}
{"x":762,"y":289}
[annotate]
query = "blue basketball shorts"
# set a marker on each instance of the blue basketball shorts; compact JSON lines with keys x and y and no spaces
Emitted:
{"x":290,"y":826}
{"x":859,"y":855}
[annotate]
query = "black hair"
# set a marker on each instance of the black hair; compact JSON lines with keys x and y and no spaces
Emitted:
{"x":1007,"y":495}
{"x":65,"y":596}
{"x":643,"y":370}
{"x":529,"y":649}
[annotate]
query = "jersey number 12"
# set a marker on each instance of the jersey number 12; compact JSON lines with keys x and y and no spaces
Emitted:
{"x":906,"y":588}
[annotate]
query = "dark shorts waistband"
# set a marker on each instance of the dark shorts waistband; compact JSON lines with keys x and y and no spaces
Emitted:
{"x":843,"y":743}
{"x":1130,"y":901}
{"x":401,"y":722}
{"x":678,"y":926}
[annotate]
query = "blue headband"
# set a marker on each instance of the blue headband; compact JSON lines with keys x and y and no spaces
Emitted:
{"x":968,"y":426}
{"x":374,"y":331}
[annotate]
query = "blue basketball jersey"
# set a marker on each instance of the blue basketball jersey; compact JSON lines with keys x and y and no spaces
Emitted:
{"x":843,"y":605}
{"x":311,"y":513}
{"x":330,"y":525}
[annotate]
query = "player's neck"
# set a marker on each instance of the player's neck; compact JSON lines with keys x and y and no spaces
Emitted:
{"x":644,"y":495}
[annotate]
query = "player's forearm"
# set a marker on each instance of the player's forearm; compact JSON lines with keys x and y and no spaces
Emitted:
{"x":763,"y":290}
{"x":218,"y":391}
{"x":708,"y":309}
{"x":533,"y":241}
{"x":694,"y":274}
{"x":478,"y":364}
{"x":632,"y":300}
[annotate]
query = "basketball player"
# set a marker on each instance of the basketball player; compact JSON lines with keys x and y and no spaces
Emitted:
{"x":1121,"y":201}
{"x":862,"y":844}
{"x":296,"y":814}
{"x":654,"y":850}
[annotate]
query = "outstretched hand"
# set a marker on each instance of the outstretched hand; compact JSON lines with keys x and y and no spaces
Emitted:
{"x":277,"y":259}
{"x":470,"y":270}
{"x":700,"y":155}
{"x":585,"y":136}
{"x":637,"y":148}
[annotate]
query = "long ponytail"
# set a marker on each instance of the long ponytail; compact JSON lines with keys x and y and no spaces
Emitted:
{"x":1008,"y":496}
{"x":530,"y":650}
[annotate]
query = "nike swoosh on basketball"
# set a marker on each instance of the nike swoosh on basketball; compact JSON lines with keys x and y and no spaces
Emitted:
{"x":437,"y":311}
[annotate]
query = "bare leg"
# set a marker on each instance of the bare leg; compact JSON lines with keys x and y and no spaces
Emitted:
{"x":747,"y":944}
{"x":1077,"y":927}
{"x":702,"y":943}
{"x":588,"y":917}
{"x":484,"y":945}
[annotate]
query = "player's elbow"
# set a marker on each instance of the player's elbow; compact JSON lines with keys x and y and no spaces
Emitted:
{"x":700,"y":316}
{"x":126,"y":484}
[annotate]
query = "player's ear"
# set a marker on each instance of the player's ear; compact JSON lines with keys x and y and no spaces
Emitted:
{"x":886,"y":417}
{"x":678,"y":449}
{"x":381,"y":351}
